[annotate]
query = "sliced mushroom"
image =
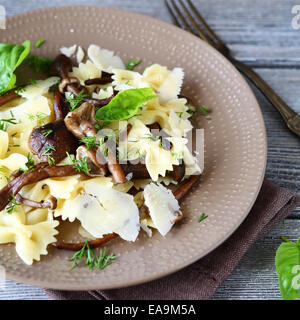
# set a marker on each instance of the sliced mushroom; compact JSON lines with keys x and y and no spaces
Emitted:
{"x":81,"y":122}
{"x":41,"y":171}
{"x":52,"y":139}
{"x":105,"y":78}
{"x":95,"y":168}
{"x":185,"y":188}
{"x":61,"y":66}
{"x":50,"y":203}
{"x":59,"y":107}
{"x":92,"y":243}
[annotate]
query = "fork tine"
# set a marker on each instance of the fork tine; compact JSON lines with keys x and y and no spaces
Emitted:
{"x":172,"y":14}
{"x":191,"y":19}
{"x":180,"y":15}
{"x":205,"y":25}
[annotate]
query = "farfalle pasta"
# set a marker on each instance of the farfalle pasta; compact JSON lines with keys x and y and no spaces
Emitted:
{"x":98,"y":144}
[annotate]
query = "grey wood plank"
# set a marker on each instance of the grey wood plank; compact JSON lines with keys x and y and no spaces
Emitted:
{"x":255,"y":277}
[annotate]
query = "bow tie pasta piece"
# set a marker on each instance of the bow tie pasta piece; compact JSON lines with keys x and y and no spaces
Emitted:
{"x":14,"y":162}
{"x":3,"y":143}
{"x":85,"y":71}
{"x":178,"y":127}
{"x":103,"y":210}
{"x":126,"y":79}
{"x":31,"y":240}
{"x":104,"y":59}
{"x":163,"y":207}
{"x":166,"y":83}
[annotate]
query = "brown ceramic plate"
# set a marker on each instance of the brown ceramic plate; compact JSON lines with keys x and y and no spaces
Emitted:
{"x":235,"y":144}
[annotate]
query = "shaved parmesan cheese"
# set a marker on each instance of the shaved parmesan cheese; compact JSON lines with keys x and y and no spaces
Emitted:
{"x":79,"y":54}
{"x":171,"y":87}
{"x":104,"y":59}
{"x":163,"y":207}
{"x":40,"y":88}
{"x":103,"y":210}
{"x":68,"y":51}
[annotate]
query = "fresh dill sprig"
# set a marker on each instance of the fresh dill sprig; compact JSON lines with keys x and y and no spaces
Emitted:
{"x":39,"y":63}
{"x":79,"y":165}
{"x":39,"y":43}
{"x":91,"y":260}
{"x":130,"y":64}
{"x":202,"y":217}
{"x":13,"y":204}
{"x":46,"y":133}
{"x":48,"y":153}
{"x":203,"y":110}
{"x":75,"y":101}
{"x":90,"y":142}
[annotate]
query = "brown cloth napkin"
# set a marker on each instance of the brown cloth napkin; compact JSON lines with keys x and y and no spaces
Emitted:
{"x":201,"y":279}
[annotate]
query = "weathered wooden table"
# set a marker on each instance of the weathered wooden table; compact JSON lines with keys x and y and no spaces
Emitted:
{"x":261,"y":35}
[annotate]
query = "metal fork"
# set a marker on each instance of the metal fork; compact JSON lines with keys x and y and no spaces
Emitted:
{"x":290,"y":117}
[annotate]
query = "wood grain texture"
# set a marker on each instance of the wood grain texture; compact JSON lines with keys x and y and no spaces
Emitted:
{"x":261,"y":36}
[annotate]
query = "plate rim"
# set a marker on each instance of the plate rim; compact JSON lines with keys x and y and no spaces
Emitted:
{"x":188,"y":262}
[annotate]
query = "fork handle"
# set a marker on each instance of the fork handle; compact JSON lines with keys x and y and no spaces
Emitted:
{"x":290,"y":117}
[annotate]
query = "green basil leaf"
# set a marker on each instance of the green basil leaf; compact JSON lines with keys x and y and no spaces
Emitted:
{"x":125,"y":104}
{"x":11,"y":56}
{"x":287,"y":263}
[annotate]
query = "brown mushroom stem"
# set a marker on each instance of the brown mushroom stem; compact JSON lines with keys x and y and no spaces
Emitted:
{"x":92,"y":243}
{"x":40,"y":172}
{"x":104,"y":79}
{"x":179,"y":194}
{"x":8,"y":96}
{"x":59,"y":107}
{"x":185,"y":188}
{"x":61,"y":66}
{"x":50,"y":203}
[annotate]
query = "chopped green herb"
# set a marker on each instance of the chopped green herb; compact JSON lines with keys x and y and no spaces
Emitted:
{"x":13,"y":145}
{"x":39,"y":63}
{"x":203,"y":110}
{"x":91,"y":259}
{"x":33,"y":82}
{"x":90,"y":142}
{"x":20,"y":89}
{"x":79,"y":165}
{"x":11,"y":120}
{"x":39,"y":43}
{"x":13,"y":204}
{"x":130,"y":64}
{"x":3,"y":126}
{"x":47,"y":150}
{"x":202,"y":217}
{"x":46,"y":133}
{"x":75,"y":101}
